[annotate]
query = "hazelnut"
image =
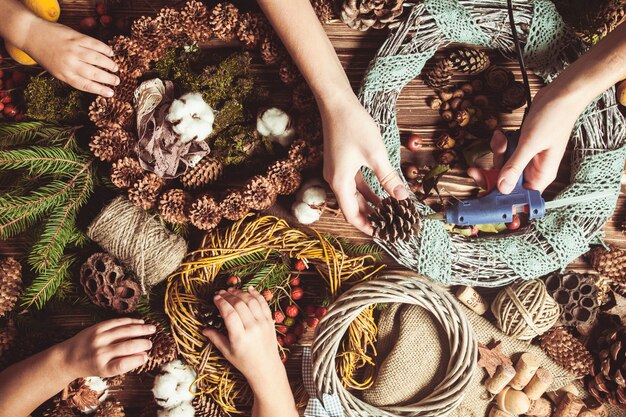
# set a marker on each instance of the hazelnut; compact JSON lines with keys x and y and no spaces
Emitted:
{"x":445,"y":106}
{"x":462,"y":117}
{"x":447,"y":115}
{"x":481,"y":101}
{"x":491,"y":122}
{"x":458,"y":93}
{"x":455,"y":103}
{"x":445,"y":142}
{"x":445,"y":95}
{"x":465,"y":104}
{"x":435,"y":103}
{"x":477,"y":85}
{"x":467,"y":88}
{"x":447,"y":157}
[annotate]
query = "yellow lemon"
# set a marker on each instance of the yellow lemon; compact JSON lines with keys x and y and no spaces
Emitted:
{"x":18,"y":55}
{"x":46,"y":9}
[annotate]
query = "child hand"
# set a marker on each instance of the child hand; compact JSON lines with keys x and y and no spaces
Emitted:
{"x":251,"y":341}
{"x":109,"y":348}
{"x":79,"y":60}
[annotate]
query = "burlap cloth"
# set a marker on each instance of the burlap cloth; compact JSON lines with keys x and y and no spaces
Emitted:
{"x":413,"y":354}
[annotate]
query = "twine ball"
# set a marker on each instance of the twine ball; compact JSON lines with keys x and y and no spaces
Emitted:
{"x":138,"y":240}
{"x":525,"y":310}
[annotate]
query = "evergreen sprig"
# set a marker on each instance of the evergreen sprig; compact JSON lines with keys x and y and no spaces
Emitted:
{"x":37,"y":133}
{"x":47,"y":283}
{"x":271,"y":276}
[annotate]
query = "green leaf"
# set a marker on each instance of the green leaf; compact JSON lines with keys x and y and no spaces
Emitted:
{"x":46,"y":284}
{"x":475,"y":151}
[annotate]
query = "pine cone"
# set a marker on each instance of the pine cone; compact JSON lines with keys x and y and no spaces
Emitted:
{"x":145,"y":192}
{"x":302,"y":155}
{"x":207,"y":171}
{"x":395,"y":220}
{"x":110,"y":113}
{"x":302,"y":98}
{"x":497,"y":78}
{"x":110,"y":408}
{"x":206,"y":406}
{"x":607,"y":382}
{"x":8,"y":334}
{"x":233,"y":206}
{"x":223,"y":20}
{"x":285,"y":177}
{"x":60,"y":409}
{"x":440,"y":75}
{"x":612,"y":264}
{"x":250,"y":29}
{"x":288,"y":72}
{"x":125,"y":172}
{"x":111,"y":144}
{"x":326,"y":10}
{"x":174,"y":205}
{"x":272,"y":49}
{"x":309,"y":127}
{"x":131,"y":55}
{"x":195,"y":18}
{"x":205,"y":213}
{"x":592,"y":20}
{"x":125,"y":90}
{"x":469,"y":60}
{"x":567,"y":351}
{"x":259,"y":193}
{"x":172,"y":29}
{"x":513,"y":97}
{"x":365,"y":14}
{"x":80,"y":396}
{"x":10,"y":283}
{"x":163,"y":349}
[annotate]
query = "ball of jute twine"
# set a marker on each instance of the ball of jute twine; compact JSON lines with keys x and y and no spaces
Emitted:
{"x":138,"y":240}
{"x":525,"y":310}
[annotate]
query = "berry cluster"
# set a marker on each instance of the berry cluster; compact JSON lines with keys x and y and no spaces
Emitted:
{"x":102,"y":25}
{"x":11,"y":80}
{"x":292,"y":322}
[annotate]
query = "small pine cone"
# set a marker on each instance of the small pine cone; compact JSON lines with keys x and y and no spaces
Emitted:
{"x":223,"y":20}
{"x":365,"y":14}
{"x":302,"y":98}
{"x":326,"y":10}
{"x":206,"y":406}
{"x":612,"y":264}
{"x":145,"y":192}
{"x":110,"y":408}
{"x":205,"y":213}
{"x":440,"y":75}
{"x":302,"y":155}
{"x":260,"y":193}
{"x":10,"y":284}
{"x":497,"y":78}
{"x":288,"y":72}
{"x":111,"y":144}
{"x":285,"y":177}
{"x":250,"y":29}
{"x":110,"y":113}
{"x":469,"y":60}
{"x":172,"y":29}
{"x":272,"y":49}
{"x":309,"y":127}
{"x":233,"y":206}
{"x":147,"y":33}
{"x":174,"y":205}
{"x":395,"y":220}
{"x":60,"y":409}
{"x":606,"y":382}
{"x":207,"y":171}
{"x":513,"y":97}
{"x":195,"y":18}
{"x":7,"y":337}
{"x":604,"y":288}
{"x":125,"y":172}
{"x":163,"y":349}
{"x":567,"y":351}
{"x":131,"y":54}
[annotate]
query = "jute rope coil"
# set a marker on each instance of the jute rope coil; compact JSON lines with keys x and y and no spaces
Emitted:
{"x":391,"y":288}
{"x":525,"y":310}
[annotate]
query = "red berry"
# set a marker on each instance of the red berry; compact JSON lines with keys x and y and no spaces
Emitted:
{"x":10,"y":110}
{"x":87,"y":24}
{"x":1,"y":73}
{"x":106,"y":20}
{"x":289,"y":321}
{"x":320,"y":312}
{"x":300,"y":265}
{"x":309,"y":310}
{"x":101,"y":9}
{"x":414,"y":142}
{"x":283,"y":357}
{"x":280,"y":341}
{"x":9,"y":84}
{"x":268,"y":295}
{"x":297,"y":293}
{"x":515,"y":223}
{"x":233,"y":281}
{"x":411,"y":172}
{"x":292,"y":310}
{"x":20,"y":117}
{"x":121,"y":24}
{"x":290,"y":339}
{"x":312,"y":322}
{"x":1,"y":106}
{"x":299,"y":330}
{"x":18,"y":77}
{"x":279,"y":317}
{"x":281,"y":329}
{"x":6,"y":99}
{"x":475,"y":231}
{"x":294,"y":282}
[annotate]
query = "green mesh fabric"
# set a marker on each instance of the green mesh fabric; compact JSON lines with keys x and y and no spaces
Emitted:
{"x":456,"y":22}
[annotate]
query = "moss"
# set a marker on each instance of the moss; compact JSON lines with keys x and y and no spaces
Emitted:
{"x":52,"y":100}
{"x":236,"y":144}
{"x":231,"y":113}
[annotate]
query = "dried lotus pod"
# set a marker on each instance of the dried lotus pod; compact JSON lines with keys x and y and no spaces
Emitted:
{"x":577,"y":295}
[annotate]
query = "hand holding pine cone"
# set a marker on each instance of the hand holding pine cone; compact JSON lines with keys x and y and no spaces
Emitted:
{"x":395,"y":220}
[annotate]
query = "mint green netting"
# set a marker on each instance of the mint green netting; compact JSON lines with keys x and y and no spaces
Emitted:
{"x":598,"y":139}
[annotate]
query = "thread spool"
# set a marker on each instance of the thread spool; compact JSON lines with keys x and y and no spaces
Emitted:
{"x":513,"y":401}
{"x":504,"y":374}
{"x":138,"y":240}
{"x":539,"y":384}
{"x":525,"y":369}
{"x":496,"y":412}
{"x":540,"y":408}
{"x":525,"y":310}
{"x":569,"y":406}
{"x":472,"y":300}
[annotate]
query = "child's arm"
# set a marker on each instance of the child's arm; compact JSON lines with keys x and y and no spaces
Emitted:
{"x":351,"y":137}
{"x":106,"y":349}
{"x":251,"y":347}
{"x":556,"y":107}
{"x":79,"y":60}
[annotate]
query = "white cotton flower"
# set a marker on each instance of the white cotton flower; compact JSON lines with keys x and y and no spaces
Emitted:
{"x":313,"y":182}
{"x":191,"y":117}
{"x":174,"y":385}
{"x":314,"y":196}
{"x":305,"y":213}
{"x":185,"y":409}
{"x":100,"y":386}
{"x":275,"y":124}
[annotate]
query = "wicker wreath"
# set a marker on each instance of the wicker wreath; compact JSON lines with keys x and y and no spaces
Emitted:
{"x":598,"y":154}
{"x":391,"y":288}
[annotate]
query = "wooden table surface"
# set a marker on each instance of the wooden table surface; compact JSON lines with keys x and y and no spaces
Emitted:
{"x":355,"y":50}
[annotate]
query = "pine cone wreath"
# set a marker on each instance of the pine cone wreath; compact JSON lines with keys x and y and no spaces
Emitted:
{"x":607,"y":383}
{"x":395,"y":220}
{"x":611,"y":264}
{"x":469,"y":60}
{"x":285,"y":177}
{"x":567,"y":351}
{"x":163,"y":349}
{"x":206,"y":172}
{"x":376,"y":14}
{"x":205,"y":213}
{"x":233,"y":206}
{"x":125,"y":172}
{"x":10,"y":284}
{"x":224,"y":20}
{"x":174,"y":205}
{"x":110,"y":408}
{"x":302,"y":98}
{"x":251,"y":27}
{"x":260,"y":193}
{"x":195,"y":18}
{"x":111,"y":144}
{"x":440,"y":75}
{"x":145,"y":192}
{"x":8,"y":333}
{"x":288,"y":72}
{"x":110,"y":113}
{"x":326,"y":10}
{"x":272,"y":49}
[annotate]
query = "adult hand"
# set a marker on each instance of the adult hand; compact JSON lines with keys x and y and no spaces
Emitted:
{"x":352,"y":140}
{"x":79,"y":60}
{"x":107,"y":349}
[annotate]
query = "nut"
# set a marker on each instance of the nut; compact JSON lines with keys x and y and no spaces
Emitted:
{"x":445,"y":95}
{"x":465,"y":104}
{"x":467,"y":88}
{"x":458,"y":93}
{"x":445,"y":142}
{"x":463,"y":118}
{"x":481,"y":100}
{"x":477,"y":85}
{"x":455,"y":103}
{"x":447,"y":115}
{"x":447,"y":157}
{"x":435,"y":103}
{"x":491,"y":122}
{"x":445,"y":106}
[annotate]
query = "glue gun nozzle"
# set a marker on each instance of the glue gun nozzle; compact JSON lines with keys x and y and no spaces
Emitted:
{"x":436,"y":216}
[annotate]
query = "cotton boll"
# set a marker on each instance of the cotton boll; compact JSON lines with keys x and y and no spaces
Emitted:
{"x":314,"y":196}
{"x":305,"y":213}
{"x":313,"y":182}
{"x":174,"y":385}
{"x":191,"y":117}
{"x":275,"y":124}
{"x":185,"y":409}
{"x":100,"y":386}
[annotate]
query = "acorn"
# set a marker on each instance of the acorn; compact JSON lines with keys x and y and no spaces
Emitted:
{"x":435,"y":103}
{"x":445,"y":142}
{"x":465,"y":104}
{"x":481,"y":100}
{"x":477,"y":85}
{"x":455,"y":103}
{"x":447,"y":157}
{"x":462,"y":117}
{"x":447,"y":116}
{"x":491,"y":122}
{"x":467,"y":89}
{"x":445,"y":106}
{"x":458,"y":93}
{"x":445,"y":95}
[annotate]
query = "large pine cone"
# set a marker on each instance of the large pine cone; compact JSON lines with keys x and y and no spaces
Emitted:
{"x":126,"y":172}
{"x":251,"y":27}
{"x":174,"y":205}
{"x":163,"y":349}
{"x":224,"y":20}
{"x":10,"y":284}
{"x":513,"y":97}
{"x":395,"y":220}
{"x":567,"y":351}
{"x":272,"y":49}
{"x":285,"y":177}
{"x":233,"y":206}
{"x":497,"y":78}
{"x":376,"y":14}
{"x":326,"y":10}
{"x":206,"y":406}
{"x":111,"y":144}
{"x":207,"y":171}
{"x":469,"y":60}
{"x":260,"y":193}
{"x":60,"y":409}
{"x":612,"y":264}
{"x":205,"y":213}
{"x":106,"y":284}
{"x":145,"y":192}
{"x":7,"y":336}
{"x":195,"y":20}
{"x":110,"y":112}
{"x":608,"y":380}
{"x":440,"y":75}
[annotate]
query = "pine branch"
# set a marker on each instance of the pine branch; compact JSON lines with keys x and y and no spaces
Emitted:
{"x":42,"y":160}
{"x":271,"y":276}
{"x":40,"y":133}
{"x":248,"y":259}
{"x":356,"y":249}
{"x":46,"y":284}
